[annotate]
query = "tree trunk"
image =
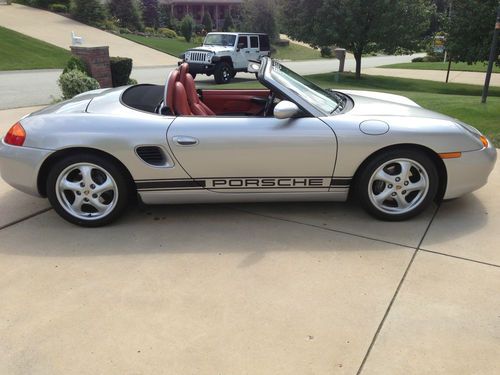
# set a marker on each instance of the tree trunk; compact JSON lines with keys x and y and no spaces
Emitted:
{"x":357,"y":57}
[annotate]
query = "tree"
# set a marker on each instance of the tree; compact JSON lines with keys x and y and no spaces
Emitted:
{"x":260,"y":16}
{"x":228,"y":22}
{"x":187,"y":26}
{"x":358,"y":25}
{"x":127,"y":13}
{"x":207,"y":22}
{"x":90,"y":12}
{"x":470,"y":30}
{"x":150,"y":15}
{"x":164,"y":16}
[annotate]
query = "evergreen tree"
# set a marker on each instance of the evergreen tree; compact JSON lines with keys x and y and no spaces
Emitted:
{"x":187,"y":27}
{"x":207,"y":22}
{"x":90,"y":12}
{"x":150,"y":14}
{"x":127,"y":13}
{"x":260,"y":16}
{"x":228,"y":22}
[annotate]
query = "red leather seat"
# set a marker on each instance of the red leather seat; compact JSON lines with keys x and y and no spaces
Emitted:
{"x":170,"y":92}
{"x":181,"y":105}
{"x":196,"y":105}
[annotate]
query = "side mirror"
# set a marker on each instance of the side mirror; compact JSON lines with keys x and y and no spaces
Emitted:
{"x":285,"y":110}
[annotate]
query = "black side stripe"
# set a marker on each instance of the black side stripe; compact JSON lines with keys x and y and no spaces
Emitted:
{"x":341,"y":181}
{"x":166,"y":184}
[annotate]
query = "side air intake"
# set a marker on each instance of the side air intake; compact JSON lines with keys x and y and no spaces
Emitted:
{"x":152,"y":155}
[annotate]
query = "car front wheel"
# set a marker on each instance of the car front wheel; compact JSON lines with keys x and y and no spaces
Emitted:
{"x":223,"y":73}
{"x":87,"y":190}
{"x":398,"y":184}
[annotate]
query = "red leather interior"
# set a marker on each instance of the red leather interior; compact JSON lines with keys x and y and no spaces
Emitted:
{"x":234,"y":101}
{"x":181,"y":104}
{"x":183,"y":71}
{"x":171,"y":90}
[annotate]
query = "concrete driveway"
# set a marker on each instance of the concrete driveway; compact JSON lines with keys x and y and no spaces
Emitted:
{"x":315,"y":288}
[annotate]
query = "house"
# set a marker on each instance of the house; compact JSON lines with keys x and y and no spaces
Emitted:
{"x":197,"y":8}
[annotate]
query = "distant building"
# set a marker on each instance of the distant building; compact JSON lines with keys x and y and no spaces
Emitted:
{"x":197,"y":8}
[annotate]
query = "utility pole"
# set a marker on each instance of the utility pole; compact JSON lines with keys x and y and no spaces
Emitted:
{"x":493,"y":57}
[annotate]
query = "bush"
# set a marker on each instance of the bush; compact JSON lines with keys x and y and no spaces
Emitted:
{"x":124,"y":30}
{"x":110,"y":25}
{"x":121,"y":67}
{"x":58,"y":8}
{"x":417,"y":59}
{"x":76,"y":63}
{"x":167,"y":33}
{"x":326,"y":52}
{"x":187,"y":26}
{"x":149,"y":30}
{"x":75,"y":82}
{"x":88,"y":11}
{"x":132,"y":81}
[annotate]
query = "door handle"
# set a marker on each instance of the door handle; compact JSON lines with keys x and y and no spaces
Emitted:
{"x":183,"y":140}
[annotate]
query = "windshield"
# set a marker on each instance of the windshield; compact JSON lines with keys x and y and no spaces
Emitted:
{"x":321,"y":99}
{"x":219,"y":40}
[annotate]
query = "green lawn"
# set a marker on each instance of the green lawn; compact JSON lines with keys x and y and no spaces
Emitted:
{"x":463,"y":67}
{"x":177,"y":46}
{"x":173,"y":47}
{"x":18,"y":51}
{"x":457,"y":100}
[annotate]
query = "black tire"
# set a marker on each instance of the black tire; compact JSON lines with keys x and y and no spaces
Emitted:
{"x":62,"y":201}
{"x":223,"y":73}
{"x":372,"y":192}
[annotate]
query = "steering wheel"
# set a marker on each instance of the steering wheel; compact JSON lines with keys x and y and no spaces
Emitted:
{"x":269,"y":104}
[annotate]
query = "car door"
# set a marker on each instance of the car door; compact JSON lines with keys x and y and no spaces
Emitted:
{"x":240,"y":60}
{"x":255,"y":154}
{"x":254,"y":50}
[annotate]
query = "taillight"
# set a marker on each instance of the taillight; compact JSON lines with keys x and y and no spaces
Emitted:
{"x":16,"y":135}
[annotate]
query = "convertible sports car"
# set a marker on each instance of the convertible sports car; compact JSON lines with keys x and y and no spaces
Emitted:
{"x":292,"y":141}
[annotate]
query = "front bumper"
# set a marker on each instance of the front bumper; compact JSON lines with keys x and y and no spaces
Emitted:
{"x":195,"y":68}
{"x":469,"y":172}
{"x":19,"y":166}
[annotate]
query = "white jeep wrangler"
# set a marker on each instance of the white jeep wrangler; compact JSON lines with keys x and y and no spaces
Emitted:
{"x":225,"y":54}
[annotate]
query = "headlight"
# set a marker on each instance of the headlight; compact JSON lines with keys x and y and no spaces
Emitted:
{"x":209,"y":56}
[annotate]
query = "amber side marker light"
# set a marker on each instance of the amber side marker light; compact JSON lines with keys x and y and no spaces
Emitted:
{"x":484,"y":140}
{"x":16,"y":135}
{"x":450,"y":155}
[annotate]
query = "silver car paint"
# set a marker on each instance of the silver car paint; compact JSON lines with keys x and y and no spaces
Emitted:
{"x":231,"y":146}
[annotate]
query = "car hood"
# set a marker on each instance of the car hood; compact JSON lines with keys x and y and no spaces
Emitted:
{"x":372,"y":103}
{"x":208,"y":48}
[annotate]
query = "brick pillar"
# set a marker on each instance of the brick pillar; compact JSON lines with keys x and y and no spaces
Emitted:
{"x":97,"y":59}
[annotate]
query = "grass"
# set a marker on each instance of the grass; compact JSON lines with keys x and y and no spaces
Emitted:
{"x":453,"y":99}
{"x":296,"y":51}
{"x":174,"y":46}
{"x":459,"y":67}
{"x":177,"y":46}
{"x":21,"y":52}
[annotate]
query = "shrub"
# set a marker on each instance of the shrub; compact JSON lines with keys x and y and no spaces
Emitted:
{"x":417,"y":59}
{"x":149,"y":30}
{"x":58,"y":8}
{"x":124,"y":30}
{"x":110,"y":25}
{"x":326,"y":52}
{"x":88,"y":11}
{"x":167,"y":33}
{"x":121,"y":67}
{"x":132,"y":81}
{"x":76,"y":63}
{"x":75,"y":82}
{"x":187,"y":26}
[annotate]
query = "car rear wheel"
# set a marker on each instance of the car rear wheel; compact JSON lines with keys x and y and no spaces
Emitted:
{"x":223,"y":73}
{"x":87,"y":190}
{"x":398,"y":184}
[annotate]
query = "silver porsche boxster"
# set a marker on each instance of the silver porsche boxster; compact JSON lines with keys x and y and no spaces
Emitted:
{"x":291,"y":141}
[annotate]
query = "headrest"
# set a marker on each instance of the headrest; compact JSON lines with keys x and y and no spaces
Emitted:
{"x":183,"y":69}
{"x":174,"y":76}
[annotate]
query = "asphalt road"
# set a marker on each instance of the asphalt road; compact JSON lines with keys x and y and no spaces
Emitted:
{"x":39,"y":87}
